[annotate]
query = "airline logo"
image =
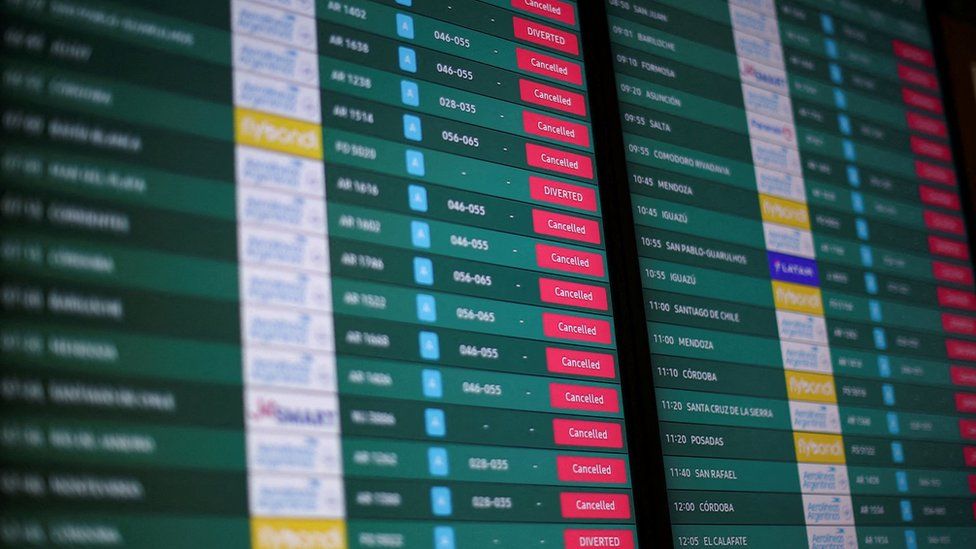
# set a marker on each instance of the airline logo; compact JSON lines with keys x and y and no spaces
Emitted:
{"x":817,"y":418}
{"x":267,"y":533}
{"x":292,"y":369}
{"x":275,"y":25}
{"x":275,"y":496}
{"x":811,"y":387}
{"x":767,"y":103}
{"x":832,"y":537}
{"x":274,"y":61}
{"x":819,"y":448}
{"x":285,"y":288}
{"x":788,"y":241}
{"x":761,"y":76}
{"x":557,"y":10}
{"x":806,"y":358}
{"x":823,"y":479}
{"x":797,"y":297}
{"x":771,"y":129}
{"x":544,"y":35}
{"x":562,"y":194}
{"x":291,"y":412}
{"x":793,"y":269}
{"x":800,"y":327}
{"x":784,"y":212}
{"x":274,"y":209}
{"x":258,"y":168}
{"x":278,"y":327}
{"x":277,"y":96}
{"x":275,"y":248}
{"x":828,"y":510}
{"x":755,"y":23}
{"x":781,"y":184}
{"x":758,"y":49}
{"x":299,"y":454}
{"x":267,"y":131}
{"x":776,"y":157}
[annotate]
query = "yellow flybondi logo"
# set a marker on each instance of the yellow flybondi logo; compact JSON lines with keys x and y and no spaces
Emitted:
{"x":811,"y":387}
{"x":266,"y":131}
{"x":297,"y":534}
{"x":819,"y":448}
{"x":784,"y":212}
{"x":797,"y":298}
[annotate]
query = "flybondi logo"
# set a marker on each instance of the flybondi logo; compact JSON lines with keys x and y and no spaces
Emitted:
{"x":269,"y":408}
{"x":279,"y":136}
{"x":298,"y":536}
{"x":810,"y":448}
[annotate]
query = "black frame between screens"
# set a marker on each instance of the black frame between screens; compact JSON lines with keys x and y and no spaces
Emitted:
{"x":648,"y":473}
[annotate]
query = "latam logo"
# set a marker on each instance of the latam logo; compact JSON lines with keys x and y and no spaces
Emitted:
{"x":270,"y":409}
{"x":764,"y":77}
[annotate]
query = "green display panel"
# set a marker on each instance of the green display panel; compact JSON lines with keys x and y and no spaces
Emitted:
{"x":807,"y":280}
{"x":311,"y":274}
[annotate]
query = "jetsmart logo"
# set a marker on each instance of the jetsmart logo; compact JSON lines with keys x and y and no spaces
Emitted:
{"x":765,"y":77}
{"x":269,"y":408}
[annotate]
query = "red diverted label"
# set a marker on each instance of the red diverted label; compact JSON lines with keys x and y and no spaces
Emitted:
{"x":961,"y":350}
{"x":956,"y":299}
{"x":918,"y":77}
{"x":591,"y":469}
{"x":924,"y":124}
{"x":576,"y":328}
{"x":563,"y":162}
{"x":952,"y":273}
{"x":966,"y":402}
{"x":563,"y":396}
{"x":931,"y":149}
{"x":915,"y":54}
{"x":570,"y":261}
{"x":556,"y":10}
{"x":581,"y":363}
{"x":590,"y":505}
{"x":967,"y":429}
{"x":938,"y":197}
{"x":958,"y":324}
{"x":594,"y":539}
{"x":563,"y":194}
{"x":552,"y":97}
{"x":969,"y":456}
{"x":948,"y":248}
{"x":555,"y":129}
{"x":945,"y":223}
{"x":593,"y":434}
{"x":547,"y":65}
{"x":562,"y":292}
{"x":921,"y":100}
{"x":962,"y":375}
{"x":935,"y":174}
{"x":547,"y":36}
{"x":565,"y":226}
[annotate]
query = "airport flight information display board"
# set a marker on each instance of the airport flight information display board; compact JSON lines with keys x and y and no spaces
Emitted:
{"x":295,"y":273}
{"x":807,"y":278}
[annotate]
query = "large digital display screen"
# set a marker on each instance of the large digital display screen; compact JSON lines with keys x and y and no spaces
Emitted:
{"x":806,"y":273}
{"x":294,"y":273}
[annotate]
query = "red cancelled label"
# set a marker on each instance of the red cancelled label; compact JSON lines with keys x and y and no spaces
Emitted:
{"x":581,"y":397}
{"x":550,"y":9}
{"x":565,"y":226}
{"x":972,"y":485}
{"x":925,"y":124}
{"x":911,"y":53}
{"x":967,"y":429}
{"x":945,"y":223}
{"x":555,"y":129}
{"x":552,"y":97}
{"x":593,"y":434}
{"x":948,"y":248}
{"x":961,"y":350}
{"x":547,"y":65}
{"x":963,"y":375}
{"x":956,"y":299}
{"x":918,"y":77}
{"x":966,"y":402}
{"x":921,"y":100}
{"x":938,"y":197}
{"x":935,"y":174}
{"x":562,"y":292}
{"x":591,"y":469}
{"x":570,"y":261}
{"x":969,"y":456}
{"x":589,"y":505}
{"x":576,"y":328}
{"x":563,"y":194}
{"x":563,"y":162}
{"x":593,"y":539}
{"x":958,"y":324}
{"x":547,"y":36}
{"x":582,"y":363}
{"x":931,"y":149}
{"x":952,"y":273}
